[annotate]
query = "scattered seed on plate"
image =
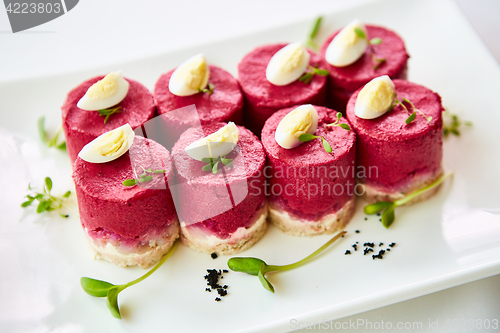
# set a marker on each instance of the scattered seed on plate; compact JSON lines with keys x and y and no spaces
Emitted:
{"x":213,"y":282}
{"x":347,"y":252}
{"x":214,"y":255}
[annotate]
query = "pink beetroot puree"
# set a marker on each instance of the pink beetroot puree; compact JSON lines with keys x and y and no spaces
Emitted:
{"x":107,"y":206}
{"x":262,"y":98}
{"x":299,"y":174}
{"x":343,"y":81}
{"x":81,"y":127}
{"x":224,"y":104}
{"x":220,"y":203}
{"x":399,"y":151}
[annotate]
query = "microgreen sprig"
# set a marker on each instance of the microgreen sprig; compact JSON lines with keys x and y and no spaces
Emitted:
{"x":258,"y":267}
{"x":310,"y":43}
{"x":452,"y":124}
{"x":374,"y":41}
{"x":99,"y":288}
{"x":213,"y":163}
{"x":388,"y":207}
{"x":208,"y":90}
{"x":54,"y":142}
{"x":341,"y":125}
{"x":411,"y":115}
{"x":109,"y":112}
{"x":143,"y":178}
{"x":306,"y":137}
{"x":310,"y":72}
{"x":46,"y":201}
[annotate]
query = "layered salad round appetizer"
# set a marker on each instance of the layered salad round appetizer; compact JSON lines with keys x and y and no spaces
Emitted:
{"x":219,"y":188}
{"x":126,"y":208}
{"x":311,"y":152}
{"x":215,"y":93}
{"x":399,"y":137}
{"x":277,"y":76}
{"x":359,"y":53}
{"x":101,"y":104}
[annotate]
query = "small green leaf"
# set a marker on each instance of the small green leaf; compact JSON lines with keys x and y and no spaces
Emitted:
{"x":62,"y":146}
{"x":305,"y":137}
{"x":376,"y":207}
{"x":321,"y":72}
{"x":306,"y":78}
{"x":48,"y":184}
{"x":207,"y":160}
{"x":112,"y":302}
{"x":26,"y":203}
{"x":145,"y":179}
{"x":375,"y":41}
{"x":214,"y":168}
{"x":360,"y":32}
{"x":158,"y":171}
{"x":96,"y":288}
{"x":411,"y":118}
{"x":247,"y":265}
{"x":226,"y":161}
{"x":41,"y":207}
{"x":345,"y":126}
{"x":129,"y":182}
{"x":388,"y":216}
{"x":207,"y":168}
{"x":265,"y":283}
{"x":67,"y":194}
{"x":326,"y":145}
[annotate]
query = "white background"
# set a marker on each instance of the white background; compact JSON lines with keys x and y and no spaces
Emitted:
{"x":99,"y":32}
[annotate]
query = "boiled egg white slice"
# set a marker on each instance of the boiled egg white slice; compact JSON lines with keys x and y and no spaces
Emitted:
{"x":303,"y":119}
{"x":347,"y":47}
{"x":190,"y":77}
{"x":375,"y":98}
{"x":217,"y":144}
{"x":105,"y":93}
{"x":288,"y":64}
{"x":108,"y":146}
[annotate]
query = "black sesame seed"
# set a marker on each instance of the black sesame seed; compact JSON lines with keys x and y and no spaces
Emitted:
{"x":347,"y":252}
{"x":217,"y":299}
{"x":208,"y":289}
{"x":367,"y":250}
{"x":224,"y":286}
{"x":369,"y":244}
{"x":355,"y":247}
{"x":392,"y":244}
{"x":380,"y":244}
{"x":366,"y":219}
{"x":387,"y":249}
{"x":225,"y":271}
{"x":214,"y":255}
{"x":222,"y":292}
{"x":357,"y":231}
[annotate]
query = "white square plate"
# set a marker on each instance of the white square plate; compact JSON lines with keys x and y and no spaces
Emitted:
{"x":451,"y":239}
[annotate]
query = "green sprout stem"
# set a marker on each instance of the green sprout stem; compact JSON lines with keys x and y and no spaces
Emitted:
{"x":452,"y":124}
{"x":374,"y":41}
{"x":411,"y":114}
{"x":305,"y":137}
{"x":304,"y":261}
{"x":213,"y":163}
{"x":310,"y":72}
{"x":208,"y":90}
{"x":388,"y":207}
{"x":109,"y":112}
{"x":257,"y":267}
{"x":50,"y":142}
{"x":143,"y":178}
{"x":339,"y":124}
{"x":99,"y":288}
{"x":310,"y":42}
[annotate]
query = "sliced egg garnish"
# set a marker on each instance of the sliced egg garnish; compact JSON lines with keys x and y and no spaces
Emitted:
{"x":105,"y":93}
{"x":288,"y":64}
{"x":108,"y":146}
{"x":347,"y":46}
{"x":190,"y":77}
{"x":303,"y":119}
{"x":216,"y":144}
{"x":375,"y":98}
